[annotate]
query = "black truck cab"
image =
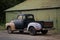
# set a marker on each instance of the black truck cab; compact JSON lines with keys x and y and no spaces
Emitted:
{"x":23,"y":20}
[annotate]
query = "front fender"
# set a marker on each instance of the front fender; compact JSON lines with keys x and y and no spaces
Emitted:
{"x":36,"y":25}
{"x":12,"y":25}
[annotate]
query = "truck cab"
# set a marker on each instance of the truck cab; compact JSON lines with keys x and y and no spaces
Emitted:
{"x":23,"y":20}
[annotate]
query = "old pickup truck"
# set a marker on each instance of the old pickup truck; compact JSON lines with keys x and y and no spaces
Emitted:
{"x":27,"y":21}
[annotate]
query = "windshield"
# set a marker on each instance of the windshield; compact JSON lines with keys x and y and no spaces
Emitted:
{"x":20,"y":17}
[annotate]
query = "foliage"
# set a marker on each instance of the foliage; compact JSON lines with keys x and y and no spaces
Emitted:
{"x":5,"y":4}
{"x":2,"y":27}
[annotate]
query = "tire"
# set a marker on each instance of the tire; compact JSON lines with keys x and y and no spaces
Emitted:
{"x":44,"y":31}
{"x":32,"y":31}
{"x":9,"y":30}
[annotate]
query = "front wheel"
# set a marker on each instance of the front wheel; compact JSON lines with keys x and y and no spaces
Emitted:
{"x":32,"y":30}
{"x":9,"y":30}
{"x":44,"y":31}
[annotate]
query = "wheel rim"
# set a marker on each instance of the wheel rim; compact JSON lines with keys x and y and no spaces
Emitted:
{"x":32,"y":31}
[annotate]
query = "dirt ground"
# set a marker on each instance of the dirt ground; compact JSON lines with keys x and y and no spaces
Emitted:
{"x":17,"y":36}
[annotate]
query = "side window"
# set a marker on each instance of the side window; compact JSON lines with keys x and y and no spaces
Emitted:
{"x":20,"y":17}
{"x":30,"y":16}
{"x":23,"y":17}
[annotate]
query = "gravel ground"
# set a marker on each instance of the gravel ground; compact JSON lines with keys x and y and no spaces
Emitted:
{"x":16,"y":36}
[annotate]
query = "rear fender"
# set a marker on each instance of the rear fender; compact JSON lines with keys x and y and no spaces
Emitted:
{"x":37,"y":26}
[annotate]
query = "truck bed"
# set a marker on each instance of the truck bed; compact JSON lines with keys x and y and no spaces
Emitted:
{"x":46,"y":24}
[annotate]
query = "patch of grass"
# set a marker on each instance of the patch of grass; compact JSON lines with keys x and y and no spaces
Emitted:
{"x":2,"y":27}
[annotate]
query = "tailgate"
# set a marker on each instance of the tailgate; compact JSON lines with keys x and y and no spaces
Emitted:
{"x":48,"y":25}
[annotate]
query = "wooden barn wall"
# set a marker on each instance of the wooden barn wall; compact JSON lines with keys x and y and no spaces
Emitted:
{"x":11,"y":16}
{"x":58,"y":19}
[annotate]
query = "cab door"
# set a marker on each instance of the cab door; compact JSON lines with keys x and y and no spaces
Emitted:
{"x":19,"y":22}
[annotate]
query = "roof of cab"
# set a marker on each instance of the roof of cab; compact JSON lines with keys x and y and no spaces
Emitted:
{"x":25,"y":14}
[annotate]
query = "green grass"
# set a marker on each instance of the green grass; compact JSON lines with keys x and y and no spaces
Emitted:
{"x":2,"y":27}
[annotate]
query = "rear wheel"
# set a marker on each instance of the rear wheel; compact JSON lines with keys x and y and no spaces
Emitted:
{"x":44,"y":31}
{"x":32,"y":31}
{"x":9,"y":30}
